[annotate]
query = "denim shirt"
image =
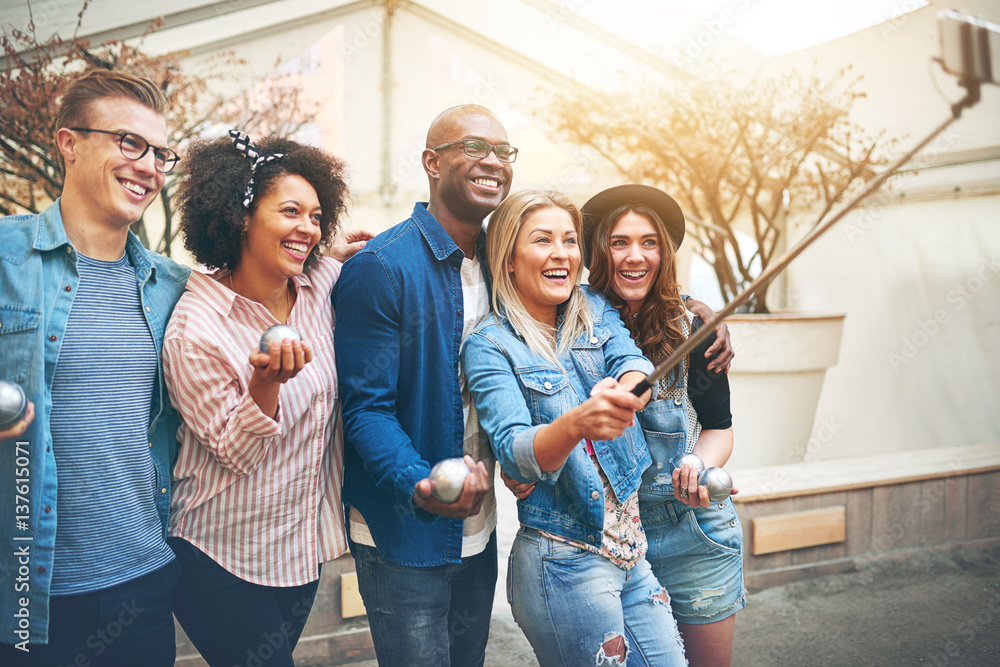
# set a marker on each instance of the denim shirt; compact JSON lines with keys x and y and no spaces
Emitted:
{"x":517,"y":392}
{"x":399,"y":307}
{"x":38,"y":280}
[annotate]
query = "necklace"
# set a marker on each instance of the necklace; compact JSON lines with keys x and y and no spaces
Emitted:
{"x":288,"y":305}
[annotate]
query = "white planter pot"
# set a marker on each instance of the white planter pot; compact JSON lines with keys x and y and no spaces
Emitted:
{"x":776,"y":378}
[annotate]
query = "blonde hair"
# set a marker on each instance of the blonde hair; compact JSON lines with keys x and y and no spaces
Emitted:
{"x":504,"y":225}
{"x":77,"y":102}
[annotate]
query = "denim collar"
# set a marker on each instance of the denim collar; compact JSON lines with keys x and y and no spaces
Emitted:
{"x":50,"y":234}
{"x":437,"y":238}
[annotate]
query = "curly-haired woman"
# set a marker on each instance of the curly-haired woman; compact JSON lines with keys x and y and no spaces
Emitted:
{"x":256,"y":507}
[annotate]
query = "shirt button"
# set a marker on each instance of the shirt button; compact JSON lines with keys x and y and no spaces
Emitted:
{"x":722,"y":506}
{"x":52,"y":338}
{"x":732,"y":523}
{"x":150,"y":445}
{"x":678,"y":402}
{"x":547,"y":385}
{"x":590,"y":538}
{"x":41,"y":569}
{"x":48,"y":508}
{"x":69,"y":288}
{"x":163,"y":490}
{"x":593,"y":340}
{"x":147,"y":309}
{"x":595,"y":495}
{"x":69,"y":251}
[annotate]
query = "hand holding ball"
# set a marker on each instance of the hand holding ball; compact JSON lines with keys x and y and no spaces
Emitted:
{"x":277,"y":333}
{"x":447,"y":478}
{"x":719,"y":483}
{"x":692,"y":460}
{"x":13,"y":404}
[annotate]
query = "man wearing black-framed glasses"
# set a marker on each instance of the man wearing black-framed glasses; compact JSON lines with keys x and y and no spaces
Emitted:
{"x":426,"y":568}
{"x":84,"y":312}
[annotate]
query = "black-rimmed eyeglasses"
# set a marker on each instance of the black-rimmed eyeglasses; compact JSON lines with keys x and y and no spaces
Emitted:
{"x":134,"y":147}
{"x":480,"y":149}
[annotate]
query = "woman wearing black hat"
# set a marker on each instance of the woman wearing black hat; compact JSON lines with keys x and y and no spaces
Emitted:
{"x":632,"y":233}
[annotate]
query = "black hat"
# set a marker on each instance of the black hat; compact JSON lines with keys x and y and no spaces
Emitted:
{"x":644,"y":195}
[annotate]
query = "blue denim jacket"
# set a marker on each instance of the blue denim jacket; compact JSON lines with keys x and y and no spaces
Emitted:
{"x":38,"y":280}
{"x":398,"y":333}
{"x":517,"y":392}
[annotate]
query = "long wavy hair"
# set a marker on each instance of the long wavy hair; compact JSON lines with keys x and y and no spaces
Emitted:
{"x":504,"y":225}
{"x":657,"y":328}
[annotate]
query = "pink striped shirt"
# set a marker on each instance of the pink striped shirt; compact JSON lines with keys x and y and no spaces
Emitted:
{"x":260,"y":497}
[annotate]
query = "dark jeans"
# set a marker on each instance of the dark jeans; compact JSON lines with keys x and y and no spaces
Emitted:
{"x":422,"y":616}
{"x":233,"y":622}
{"x":128,"y":625}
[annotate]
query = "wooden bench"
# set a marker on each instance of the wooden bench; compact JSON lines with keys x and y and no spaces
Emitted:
{"x":817,"y":517}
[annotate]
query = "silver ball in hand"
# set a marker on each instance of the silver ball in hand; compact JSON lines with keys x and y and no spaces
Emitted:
{"x":277,"y":333}
{"x":447,"y":478}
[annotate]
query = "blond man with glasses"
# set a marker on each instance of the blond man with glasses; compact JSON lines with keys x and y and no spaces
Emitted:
{"x":89,"y":572}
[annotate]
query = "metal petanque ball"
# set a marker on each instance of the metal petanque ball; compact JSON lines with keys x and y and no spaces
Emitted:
{"x":13,"y":404}
{"x":692,"y":460}
{"x":277,"y":333}
{"x":719,"y":483}
{"x":448,"y":477}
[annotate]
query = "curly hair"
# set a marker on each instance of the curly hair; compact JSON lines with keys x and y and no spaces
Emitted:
{"x":210,"y":195}
{"x":656,"y":328}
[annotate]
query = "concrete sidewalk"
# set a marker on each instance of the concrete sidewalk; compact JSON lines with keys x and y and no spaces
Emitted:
{"x":928,"y":608}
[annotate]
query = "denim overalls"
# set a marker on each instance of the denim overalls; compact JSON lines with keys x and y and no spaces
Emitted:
{"x":695,"y":553}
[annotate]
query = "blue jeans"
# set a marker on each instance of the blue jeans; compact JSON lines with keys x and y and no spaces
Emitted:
{"x":697,"y":554}
{"x":128,"y":624}
{"x":422,"y":616}
{"x":577,"y":608}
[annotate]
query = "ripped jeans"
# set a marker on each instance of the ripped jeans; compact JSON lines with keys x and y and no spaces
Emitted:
{"x":577,"y":608}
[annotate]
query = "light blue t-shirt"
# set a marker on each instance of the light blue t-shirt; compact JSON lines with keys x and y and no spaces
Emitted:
{"x":107,"y":529}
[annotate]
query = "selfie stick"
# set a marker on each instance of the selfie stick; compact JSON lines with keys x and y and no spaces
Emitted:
{"x":970,"y":83}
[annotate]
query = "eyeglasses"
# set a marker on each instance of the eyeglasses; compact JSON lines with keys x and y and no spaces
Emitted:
{"x":480,"y":149}
{"x":134,"y":147}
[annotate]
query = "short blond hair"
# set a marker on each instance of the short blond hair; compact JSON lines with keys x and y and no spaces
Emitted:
{"x":97,"y":84}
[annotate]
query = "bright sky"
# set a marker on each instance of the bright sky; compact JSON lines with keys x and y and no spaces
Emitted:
{"x":772,"y":27}
{"x":781,"y":26}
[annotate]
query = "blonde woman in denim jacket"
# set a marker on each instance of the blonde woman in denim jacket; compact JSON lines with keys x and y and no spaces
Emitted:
{"x":578,"y":582}
{"x":695,"y":546}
